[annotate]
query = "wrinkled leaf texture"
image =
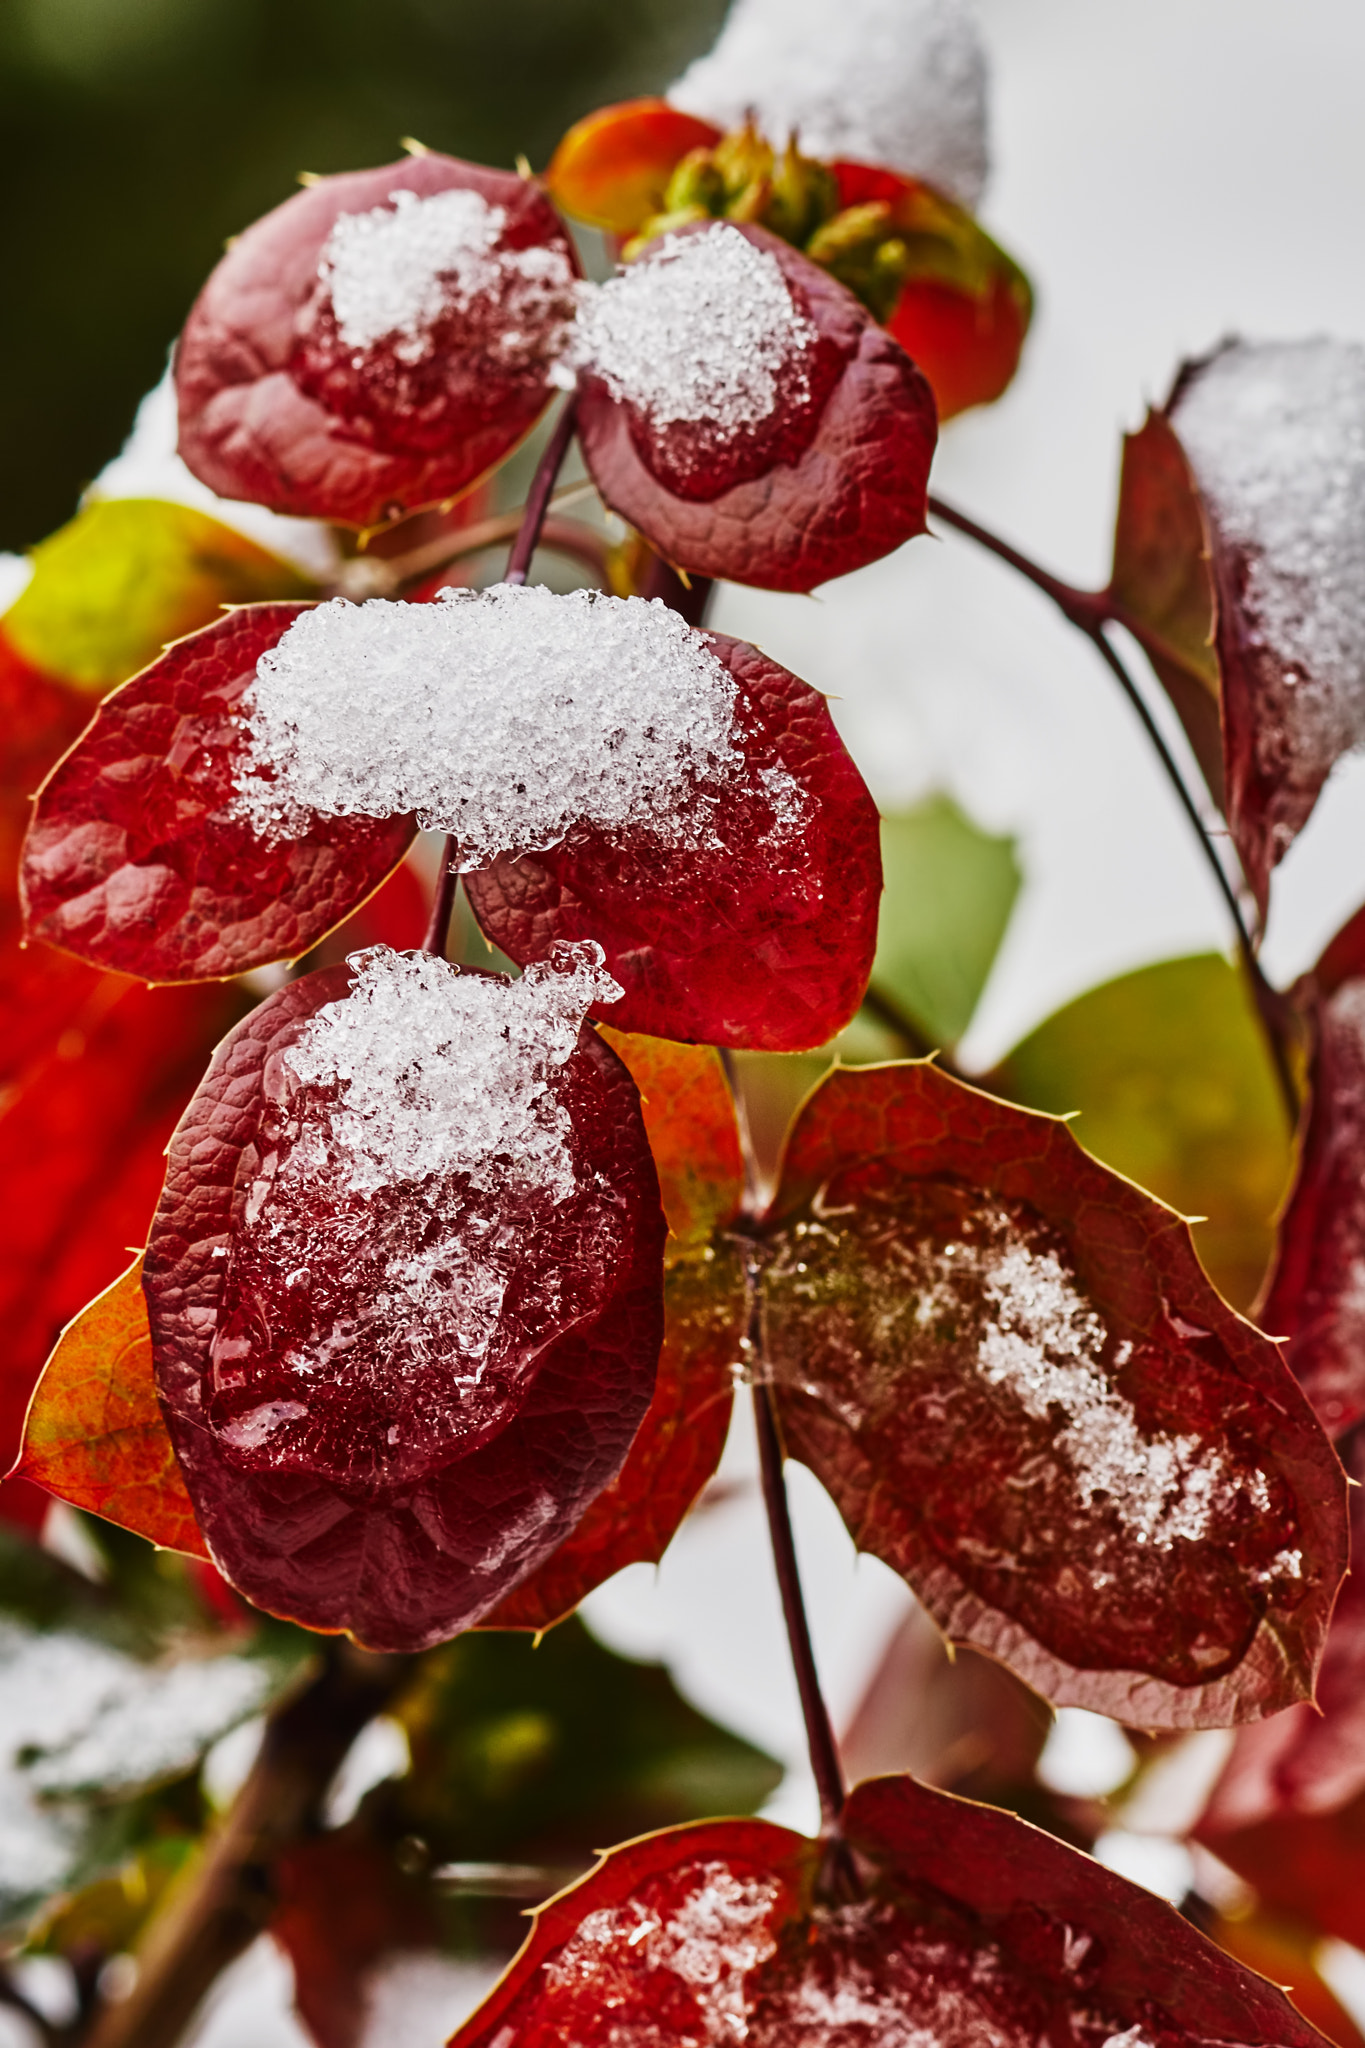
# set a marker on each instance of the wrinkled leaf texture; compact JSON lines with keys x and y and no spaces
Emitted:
{"x":398,"y":1563}
{"x":936,"y":1261}
{"x":276,"y":409}
{"x":129,"y":861}
{"x":827,"y":487}
{"x":745,"y":945}
{"x":710,"y":1934}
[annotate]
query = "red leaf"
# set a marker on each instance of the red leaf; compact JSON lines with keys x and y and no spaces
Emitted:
{"x":833,"y":478}
{"x":278,"y":405}
{"x":387,"y":1504}
{"x":1006,"y":1365}
{"x":342,"y":1906}
{"x":130,"y":862}
{"x":736,"y":946}
{"x":612,"y":167}
{"x":1314,"y":1297}
{"x":94,"y":1434}
{"x":969,"y":1927}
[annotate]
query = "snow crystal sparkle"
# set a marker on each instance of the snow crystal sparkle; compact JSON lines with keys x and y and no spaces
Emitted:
{"x":503,"y":716}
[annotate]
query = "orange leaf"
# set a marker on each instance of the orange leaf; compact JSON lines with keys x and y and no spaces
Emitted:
{"x":94,"y":1434}
{"x":612,"y":167}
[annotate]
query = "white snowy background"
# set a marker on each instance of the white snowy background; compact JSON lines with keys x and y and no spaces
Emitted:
{"x":1168,"y":174}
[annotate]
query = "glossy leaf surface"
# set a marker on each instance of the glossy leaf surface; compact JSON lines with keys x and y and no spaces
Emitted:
{"x":611,"y":168}
{"x":823,"y":485}
{"x":127,"y":576}
{"x":381,"y":1506}
{"x":131,"y":861}
{"x":95,"y":1435}
{"x":709,"y":1935}
{"x":1169,"y":1070}
{"x":691,"y":1129}
{"x":1006,"y":1366}
{"x":276,"y":405}
{"x":767,"y":940}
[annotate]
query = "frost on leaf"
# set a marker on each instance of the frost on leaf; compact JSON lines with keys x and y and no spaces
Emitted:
{"x":1316,"y":1294}
{"x":713,"y":1936}
{"x":1275,"y":434}
{"x":894,"y":82}
{"x":378,"y":342}
{"x":404,"y":1289}
{"x":764,"y":935}
{"x":1007,"y":1367}
{"x":744,"y":411}
{"x":136,"y":858}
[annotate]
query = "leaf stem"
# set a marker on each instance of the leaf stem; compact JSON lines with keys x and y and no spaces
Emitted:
{"x":438,"y":931}
{"x":538,"y":497}
{"x":1092,"y":614}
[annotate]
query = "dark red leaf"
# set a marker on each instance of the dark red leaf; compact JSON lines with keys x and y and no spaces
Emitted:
{"x":970,"y":1929}
{"x":1006,"y":1365}
{"x":834,"y":477}
{"x":739,"y":946}
{"x":130,"y":861}
{"x":342,"y":1906}
{"x":1314,"y":1297}
{"x":278,"y":405}
{"x":387,"y":1504}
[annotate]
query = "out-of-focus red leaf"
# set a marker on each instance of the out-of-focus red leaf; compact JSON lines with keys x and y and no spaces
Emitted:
{"x":346,"y":1524}
{"x":1315,"y":1295}
{"x":766,"y":941}
{"x":276,"y":406}
{"x":611,"y":168}
{"x":1284,"y":1951}
{"x":94,"y":1434}
{"x":342,"y":1905}
{"x":968,"y":1927}
{"x":823,"y":486}
{"x":1007,"y":1367}
{"x":130,"y":861}
{"x":83,"y":1130}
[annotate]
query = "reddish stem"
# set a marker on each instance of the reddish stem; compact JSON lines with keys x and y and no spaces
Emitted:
{"x":538,"y":497}
{"x":438,"y":931}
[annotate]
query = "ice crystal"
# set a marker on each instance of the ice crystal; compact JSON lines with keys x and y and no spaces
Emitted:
{"x":702,"y":329}
{"x":1276,"y":434}
{"x":503,"y":716}
{"x":394,"y":272}
{"x":895,"y":82}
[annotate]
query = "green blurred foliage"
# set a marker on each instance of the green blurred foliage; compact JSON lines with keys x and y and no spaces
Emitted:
{"x":1170,"y":1073}
{"x":136,"y":135}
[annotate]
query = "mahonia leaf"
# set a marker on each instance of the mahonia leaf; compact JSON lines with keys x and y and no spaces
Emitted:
{"x":765,"y":936}
{"x":1269,"y":436}
{"x":404,"y":1288}
{"x":135,"y":859}
{"x":1313,"y":1297}
{"x":377,"y":343}
{"x":342,"y":1906}
{"x":128,"y":575}
{"x":612,"y":168}
{"x":967,"y":1926}
{"x":95,"y":1435}
{"x":1008,"y":1369}
{"x":1288,"y":1952}
{"x":741,"y":409}
{"x":690,"y":1124}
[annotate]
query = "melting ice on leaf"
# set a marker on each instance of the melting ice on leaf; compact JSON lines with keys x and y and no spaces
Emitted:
{"x":713,"y":1935}
{"x":404,"y":1289}
{"x":1007,"y":1367}
{"x":377,"y":343}
{"x":612,"y":774}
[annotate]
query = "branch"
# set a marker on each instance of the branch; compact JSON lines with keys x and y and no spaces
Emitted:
{"x":538,"y":497}
{"x":225,"y":1899}
{"x":1091,"y":613}
{"x":390,"y":576}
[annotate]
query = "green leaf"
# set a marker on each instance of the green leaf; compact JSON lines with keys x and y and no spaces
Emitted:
{"x":1169,"y":1071}
{"x":128,"y":575}
{"x":950,"y":889}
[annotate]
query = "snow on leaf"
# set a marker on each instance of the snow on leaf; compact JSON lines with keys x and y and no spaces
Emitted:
{"x":135,"y":859}
{"x":1275,"y":434}
{"x":711,"y":1936}
{"x":1007,"y":1367}
{"x":377,"y":343}
{"x":894,"y":82}
{"x":779,"y":442}
{"x":421,"y":1354}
